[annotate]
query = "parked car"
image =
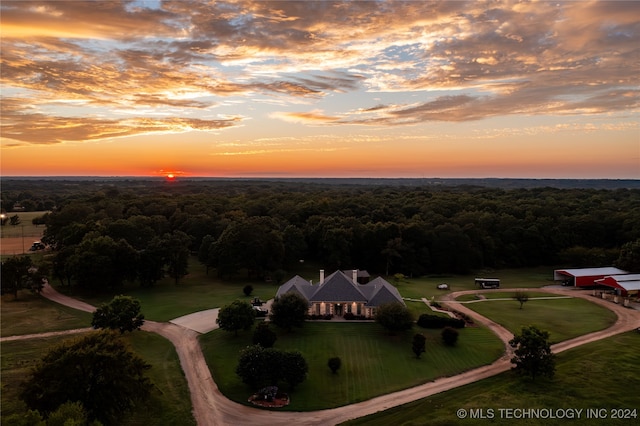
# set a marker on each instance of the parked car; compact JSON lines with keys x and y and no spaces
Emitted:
{"x":260,"y":312}
{"x":443,"y":286}
{"x":37,"y":245}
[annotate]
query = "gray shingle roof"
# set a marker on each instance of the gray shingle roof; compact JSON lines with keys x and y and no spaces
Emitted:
{"x":338,"y":287}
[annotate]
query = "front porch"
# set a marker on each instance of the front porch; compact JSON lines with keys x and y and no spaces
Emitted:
{"x":340,"y":309}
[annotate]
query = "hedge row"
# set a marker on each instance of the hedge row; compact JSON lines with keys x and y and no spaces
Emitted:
{"x":436,"y":321}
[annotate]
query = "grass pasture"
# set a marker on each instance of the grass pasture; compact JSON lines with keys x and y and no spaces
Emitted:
{"x":502,"y":295}
{"x":373,"y":363}
{"x":169,"y":404}
{"x":24,"y":228}
{"x":195,"y":292}
{"x":416,"y":288}
{"x":32,"y":313}
{"x":597,"y":375}
{"x":563,"y":318}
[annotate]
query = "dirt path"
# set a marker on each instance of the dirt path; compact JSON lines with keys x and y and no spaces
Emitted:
{"x":210,"y":407}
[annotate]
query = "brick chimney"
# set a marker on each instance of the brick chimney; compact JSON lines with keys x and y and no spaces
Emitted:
{"x":321,"y":276}
{"x":354,"y":276}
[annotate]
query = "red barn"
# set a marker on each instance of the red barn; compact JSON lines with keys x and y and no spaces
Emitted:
{"x":625,"y":285}
{"x":585,"y":277}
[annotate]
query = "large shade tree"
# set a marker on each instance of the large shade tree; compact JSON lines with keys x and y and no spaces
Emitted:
{"x":289,"y":310}
{"x":532,"y":354}
{"x":121,"y":313}
{"x":236,"y":316}
{"x":97,"y":370}
{"x":394,"y":316}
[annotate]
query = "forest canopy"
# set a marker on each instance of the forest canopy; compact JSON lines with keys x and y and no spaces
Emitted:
{"x":143,"y":229}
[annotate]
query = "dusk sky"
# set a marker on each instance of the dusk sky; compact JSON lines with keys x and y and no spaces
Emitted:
{"x":321,"y":89}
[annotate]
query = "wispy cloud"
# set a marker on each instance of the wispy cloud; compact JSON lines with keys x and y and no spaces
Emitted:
{"x":465,"y":61}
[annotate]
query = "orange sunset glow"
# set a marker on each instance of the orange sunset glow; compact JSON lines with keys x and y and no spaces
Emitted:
{"x":321,"y":89}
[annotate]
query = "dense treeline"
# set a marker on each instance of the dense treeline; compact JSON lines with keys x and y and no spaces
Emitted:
{"x":136,"y":230}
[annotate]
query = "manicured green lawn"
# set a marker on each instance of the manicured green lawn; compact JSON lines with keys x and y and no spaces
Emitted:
{"x":32,"y":313}
{"x":562,"y":318}
{"x":169,"y":404}
{"x":373,"y":363}
{"x":601,"y":374}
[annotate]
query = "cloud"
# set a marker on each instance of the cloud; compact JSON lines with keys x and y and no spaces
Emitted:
{"x":315,"y":116}
{"x":463,"y":61}
{"x":22,"y":125}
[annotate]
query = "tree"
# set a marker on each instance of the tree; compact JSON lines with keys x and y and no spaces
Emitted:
{"x":176,"y":245}
{"x":449,"y":336}
{"x":259,"y":367}
{"x":532,"y":354}
{"x":263,"y":335}
{"x":247,"y":289}
{"x":97,"y":370}
{"x":15,"y":220}
{"x":629,"y":258}
{"x":394,"y":317}
{"x":69,"y":414}
{"x":19,"y":273}
{"x":238,"y":315}
{"x":289,"y":310}
{"x":334,"y":364}
{"x":122,"y":313}
{"x":419,"y":344}
{"x":293,"y":367}
{"x":521,"y":297}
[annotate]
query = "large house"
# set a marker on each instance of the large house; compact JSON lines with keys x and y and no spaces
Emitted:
{"x":339,"y":294}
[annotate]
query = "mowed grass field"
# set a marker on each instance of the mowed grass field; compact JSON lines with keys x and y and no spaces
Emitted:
{"x":562,"y":318}
{"x":32,"y":313}
{"x":492,"y":294}
{"x":602,"y":374}
{"x":195,"y":292}
{"x":169,"y":404}
{"x":373,"y":362}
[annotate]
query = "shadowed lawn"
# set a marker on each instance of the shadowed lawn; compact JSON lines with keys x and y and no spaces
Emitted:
{"x":169,"y":404}
{"x":373,"y":363}
{"x":509,"y":278}
{"x":562,"y":318}
{"x":195,"y":292}
{"x":32,"y":313}
{"x":597,"y":375}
